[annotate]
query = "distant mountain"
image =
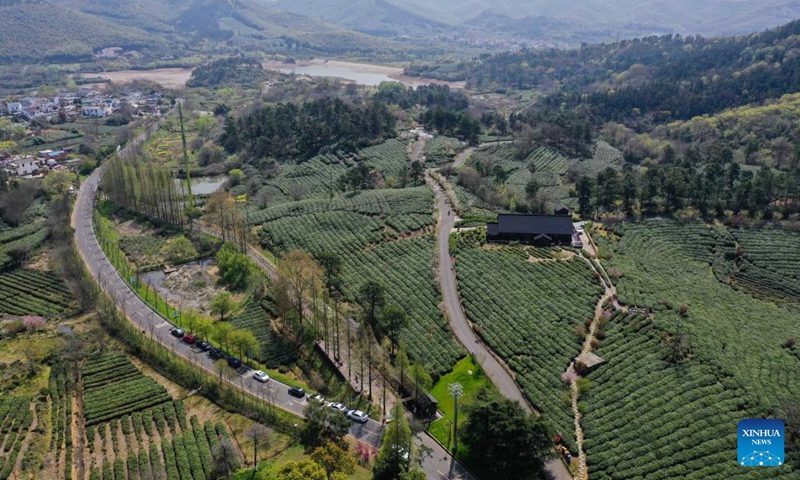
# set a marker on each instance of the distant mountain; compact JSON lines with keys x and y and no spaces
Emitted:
{"x":71,"y":30}
{"x":578,"y":20}
{"x":34,"y":30}
{"x":381,"y":18}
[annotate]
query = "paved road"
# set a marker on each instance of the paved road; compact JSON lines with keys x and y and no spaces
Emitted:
{"x":139,"y":313}
{"x":462,"y":328}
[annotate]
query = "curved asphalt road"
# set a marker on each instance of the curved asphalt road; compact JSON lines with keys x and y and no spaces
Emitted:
{"x":462,"y":328}
{"x":139,"y":313}
{"x":154,"y":325}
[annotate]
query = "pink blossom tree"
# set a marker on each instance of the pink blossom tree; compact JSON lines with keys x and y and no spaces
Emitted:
{"x":33,"y":323}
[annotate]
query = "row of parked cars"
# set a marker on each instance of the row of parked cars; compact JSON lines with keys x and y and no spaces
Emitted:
{"x":212,"y":352}
{"x":233,"y":362}
{"x":355,"y":415}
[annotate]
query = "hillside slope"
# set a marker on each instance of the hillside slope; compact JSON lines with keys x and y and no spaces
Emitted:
{"x":68,"y":35}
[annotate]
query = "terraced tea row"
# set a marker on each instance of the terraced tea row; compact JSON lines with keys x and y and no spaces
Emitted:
{"x":112,"y":389}
{"x":24,"y":292}
{"x":527,"y":313}
{"x":646,"y":418}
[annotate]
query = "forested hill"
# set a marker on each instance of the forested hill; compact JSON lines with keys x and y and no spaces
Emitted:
{"x":71,"y":30}
{"x":676,"y":77}
{"x":35,"y":30}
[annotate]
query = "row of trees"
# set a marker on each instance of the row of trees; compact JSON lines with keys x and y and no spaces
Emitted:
{"x":716,"y":186}
{"x":145,"y":187}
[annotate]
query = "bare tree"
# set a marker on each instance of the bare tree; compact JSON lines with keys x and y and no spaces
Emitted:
{"x":259,"y":435}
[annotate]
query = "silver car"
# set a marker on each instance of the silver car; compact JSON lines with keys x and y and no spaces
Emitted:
{"x":338,"y":406}
{"x":358,"y":416}
{"x":261,"y":376}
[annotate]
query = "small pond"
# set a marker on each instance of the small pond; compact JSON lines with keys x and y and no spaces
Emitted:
{"x":204,"y":185}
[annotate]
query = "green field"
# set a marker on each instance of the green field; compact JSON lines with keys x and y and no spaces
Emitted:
{"x":527,"y":313}
{"x":275,"y":350}
{"x":737,"y":367}
{"x":24,"y":292}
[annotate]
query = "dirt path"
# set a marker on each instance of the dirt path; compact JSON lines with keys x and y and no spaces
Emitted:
{"x":500,"y":374}
{"x":610,"y":294}
{"x":17,"y":470}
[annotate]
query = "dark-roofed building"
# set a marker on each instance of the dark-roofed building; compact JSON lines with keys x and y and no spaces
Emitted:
{"x":539,"y":230}
{"x":560,"y":209}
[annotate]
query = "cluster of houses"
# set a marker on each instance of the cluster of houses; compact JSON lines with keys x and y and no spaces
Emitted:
{"x":87,"y":101}
{"x":43,"y":162}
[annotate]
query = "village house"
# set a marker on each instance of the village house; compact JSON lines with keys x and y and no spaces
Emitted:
{"x":96,"y":111}
{"x":26,"y":165}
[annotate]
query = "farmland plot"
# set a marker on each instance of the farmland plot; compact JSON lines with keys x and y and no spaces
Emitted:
{"x":405,"y":267}
{"x":527,"y":313}
{"x":16,"y":418}
{"x":734,"y":337}
{"x":646,"y":418}
{"x":144,"y":436}
{"x":25,"y":292}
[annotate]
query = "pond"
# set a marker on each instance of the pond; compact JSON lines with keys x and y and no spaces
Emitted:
{"x":204,"y":185}
{"x":340,"y":70}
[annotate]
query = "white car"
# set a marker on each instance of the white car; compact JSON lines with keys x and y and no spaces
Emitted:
{"x":261,"y":376}
{"x":316,"y":397}
{"x":579,"y":228}
{"x":358,"y":416}
{"x":338,"y":406}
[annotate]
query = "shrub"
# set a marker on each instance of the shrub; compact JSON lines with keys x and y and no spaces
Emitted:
{"x":684,"y":309}
{"x":789,"y":343}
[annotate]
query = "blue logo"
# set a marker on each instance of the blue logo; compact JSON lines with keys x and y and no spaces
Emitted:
{"x":761,"y":443}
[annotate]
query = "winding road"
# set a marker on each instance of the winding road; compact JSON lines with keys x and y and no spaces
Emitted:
{"x":152,"y":324}
{"x":497,"y":371}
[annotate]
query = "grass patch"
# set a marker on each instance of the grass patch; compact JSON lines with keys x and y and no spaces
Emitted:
{"x":472,"y":379}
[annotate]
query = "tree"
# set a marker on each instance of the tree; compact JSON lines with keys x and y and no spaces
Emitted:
{"x":503,"y":440}
{"x":531,"y":188}
{"x":224,"y":370}
{"x":323,"y":424}
{"x":301,"y":273}
{"x":222,"y":304}
{"x":179,"y":248}
{"x":259,"y":435}
{"x":394,"y":457}
{"x":334,"y":460}
{"x":58,"y":182}
{"x":225,"y":458}
{"x":371,"y":297}
{"x":584,"y":187}
{"x":393,"y":319}
{"x":414,"y":474}
{"x":303,"y":470}
{"x":422,"y":379}
{"x":204,"y":124}
{"x":221,"y":332}
{"x":235,"y":268}
{"x":244,"y":341}
{"x":235,"y":176}
{"x":331,"y":263}
{"x":416,"y":170}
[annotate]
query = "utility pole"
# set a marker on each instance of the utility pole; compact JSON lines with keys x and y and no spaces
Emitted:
{"x":456,"y":390}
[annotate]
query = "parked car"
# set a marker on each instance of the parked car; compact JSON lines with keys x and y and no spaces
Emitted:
{"x":316,"y":397}
{"x":297,"y":392}
{"x":189,"y":338}
{"x":204,"y":346}
{"x":177,"y":332}
{"x":215,"y":353}
{"x":234,"y":362}
{"x":358,"y":416}
{"x":338,"y":406}
{"x":579,"y":228}
{"x":261,"y":376}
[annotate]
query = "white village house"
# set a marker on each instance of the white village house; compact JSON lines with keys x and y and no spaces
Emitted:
{"x":26,"y":165}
